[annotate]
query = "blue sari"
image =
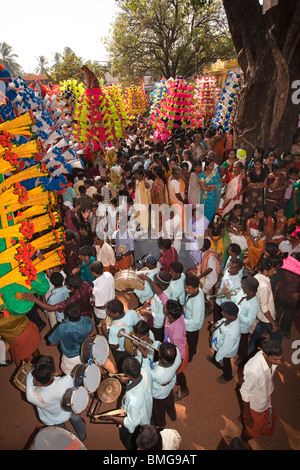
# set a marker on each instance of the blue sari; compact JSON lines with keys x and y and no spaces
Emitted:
{"x":210,"y":199}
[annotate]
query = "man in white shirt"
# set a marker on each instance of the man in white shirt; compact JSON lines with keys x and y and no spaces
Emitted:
{"x":45,"y":391}
{"x":103,"y":290}
{"x":257,"y":389}
{"x":267,"y":314}
{"x":104,"y":253}
{"x":231,"y":280}
{"x":291,"y":244}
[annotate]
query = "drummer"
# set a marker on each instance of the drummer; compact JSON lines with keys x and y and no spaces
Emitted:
{"x":150,"y":263}
{"x":70,"y":334}
{"x":45,"y":391}
{"x":121,"y":319}
{"x":124,"y":245}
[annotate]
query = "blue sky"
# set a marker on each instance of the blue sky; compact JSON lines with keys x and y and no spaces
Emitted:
{"x":35,"y":27}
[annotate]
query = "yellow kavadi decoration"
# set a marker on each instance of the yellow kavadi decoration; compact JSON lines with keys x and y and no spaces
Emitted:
{"x":28,"y":219}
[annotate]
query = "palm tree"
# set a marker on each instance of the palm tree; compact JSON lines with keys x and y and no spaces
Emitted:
{"x":68,"y":51}
{"x":7,"y":58}
{"x":57,"y":61}
{"x":42,"y":65}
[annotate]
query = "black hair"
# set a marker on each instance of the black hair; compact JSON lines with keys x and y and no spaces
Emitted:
{"x":160,"y":172}
{"x":167,"y":352}
{"x":235,"y":248}
{"x":73,"y":312}
{"x":238,"y":262}
{"x":84,"y":226}
{"x":206,"y":243}
{"x":86,"y":251}
{"x":96,"y":267}
{"x":82,"y":189}
{"x":260,"y":150}
{"x":274,"y":215}
{"x":175,"y":309}
{"x":97,"y":197}
{"x":266,"y":264}
{"x":184,"y":165}
{"x":271,"y":347}
{"x":164,"y":162}
{"x":165,"y":243}
{"x":149,"y":439}
{"x":271,"y":248}
{"x":141,"y":327}
{"x":177,"y":267}
{"x":132,"y":367}
{"x":57,"y":279}
{"x":44,"y":369}
{"x":192,"y":280}
{"x":70,"y":235}
{"x":115,"y":306}
{"x":208,"y":161}
{"x":74,"y":281}
{"x":261,"y":224}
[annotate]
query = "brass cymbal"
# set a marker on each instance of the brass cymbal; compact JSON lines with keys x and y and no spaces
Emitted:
{"x":109,"y":390}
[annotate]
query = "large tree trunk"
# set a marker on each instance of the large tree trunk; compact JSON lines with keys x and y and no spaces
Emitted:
{"x":268,"y":49}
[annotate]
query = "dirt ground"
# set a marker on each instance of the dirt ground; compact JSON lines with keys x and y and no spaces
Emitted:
{"x":206,"y":420}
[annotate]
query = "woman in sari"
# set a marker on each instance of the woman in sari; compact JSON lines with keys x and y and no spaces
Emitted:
{"x":194,"y":189}
{"x":294,"y":203}
{"x":142,"y":199}
{"x":276,"y":226}
{"x":215,"y":232}
{"x":176,"y":188}
{"x":276,"y":186}
{"x":159,"y":193}
{"x":257,"y":182}
{"x":235,"y":188}
{"x":236,"y":211}
{"x":209,"y":179}
{"x":256,"y":239}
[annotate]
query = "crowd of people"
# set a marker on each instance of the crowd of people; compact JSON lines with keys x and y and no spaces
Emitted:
{"x":241,"y":218}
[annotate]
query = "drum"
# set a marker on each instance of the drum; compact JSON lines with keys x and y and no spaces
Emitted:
{"x":128,"y":280}
{"x":96,"y":348}
{"x":87,"y":375}
{"x":55,"y":438}
{"x":75,"y":399}
{"x":19,"y":379}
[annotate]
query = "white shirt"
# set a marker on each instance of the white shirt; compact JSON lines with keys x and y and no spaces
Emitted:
{"x":265,"y":298}
{"x":286,"y":247}
{"x":210,"y":280}
{"x":105,"y":254}
{"x":258,"y":385}
{"x":103,"y":291}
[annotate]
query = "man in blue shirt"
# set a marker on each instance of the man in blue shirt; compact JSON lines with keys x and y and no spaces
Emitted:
{"x":70,"y":334}
{"x":59,"y":293}
{"x":194,"y":312}
{"x":137,"y":403}
{"x":121,"y":320}
{"x":225,"y":340}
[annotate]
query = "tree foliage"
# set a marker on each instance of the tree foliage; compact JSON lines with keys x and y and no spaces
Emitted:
{"x":167,"y":37}
{"x":69,"y":67}
{"x":8,"y":59}
{"x":43,"y":65}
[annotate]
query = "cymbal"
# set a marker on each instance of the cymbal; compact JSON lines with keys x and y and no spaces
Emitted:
{"x":109,"y":390}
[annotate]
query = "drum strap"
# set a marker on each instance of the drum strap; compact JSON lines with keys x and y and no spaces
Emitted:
{"x":146,"y":378}
{"x":119,"y":323}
